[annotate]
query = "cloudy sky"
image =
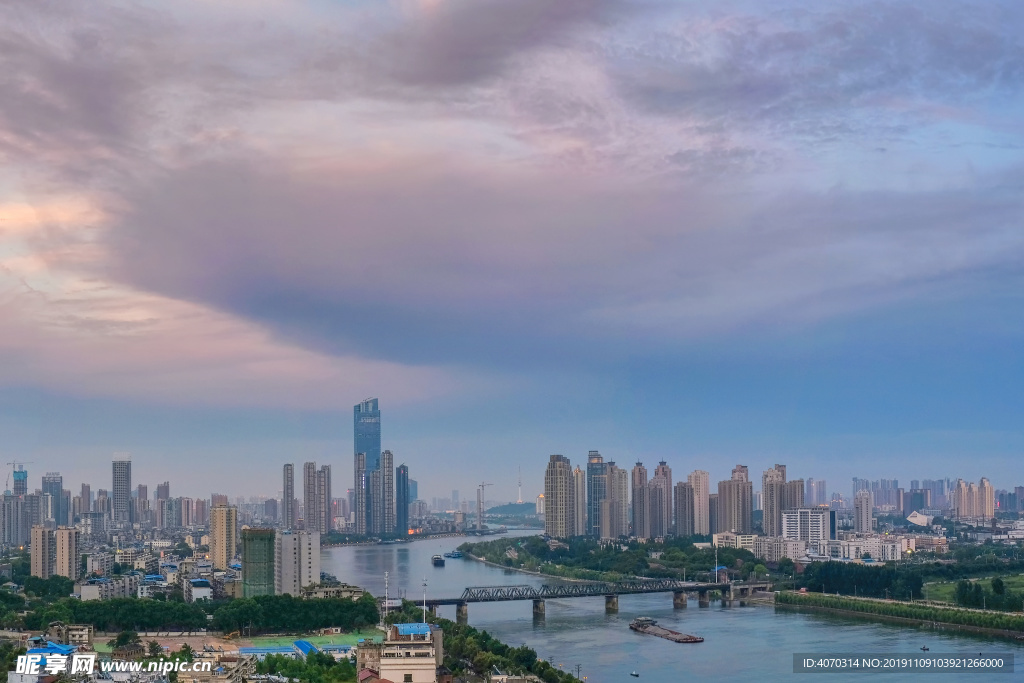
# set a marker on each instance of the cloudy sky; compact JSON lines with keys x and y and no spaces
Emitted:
{"x":705,"y":232}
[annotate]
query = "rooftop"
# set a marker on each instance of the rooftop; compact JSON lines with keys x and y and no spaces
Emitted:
{"x":413,"y":629}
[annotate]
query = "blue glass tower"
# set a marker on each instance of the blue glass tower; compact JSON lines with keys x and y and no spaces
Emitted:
{"x":367,"y":432}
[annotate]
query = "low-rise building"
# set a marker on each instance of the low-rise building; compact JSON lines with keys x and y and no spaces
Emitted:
{"x":774,"y":548}
{"x":727,"y":539}
{"x":408,"y":653}
{"x":106,"y":588}
{"x":197,"y":589}
{"x":99,"y":564}
{"x":343,"y":590}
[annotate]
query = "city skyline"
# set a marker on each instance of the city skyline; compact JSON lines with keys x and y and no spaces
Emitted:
{"x":704,"y":233}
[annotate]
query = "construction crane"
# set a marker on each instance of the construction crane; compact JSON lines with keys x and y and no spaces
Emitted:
{"x":480,"y":506}
{"x":16,"y":466}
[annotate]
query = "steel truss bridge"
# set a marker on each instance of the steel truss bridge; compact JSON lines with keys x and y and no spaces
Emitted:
{"x":584,"y":590}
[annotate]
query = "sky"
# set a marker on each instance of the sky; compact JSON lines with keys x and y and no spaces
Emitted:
{"x":702,"y":232}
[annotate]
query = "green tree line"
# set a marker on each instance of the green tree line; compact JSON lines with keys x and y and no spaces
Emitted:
{"x":973,"y":594}
{"x":284,"y":613}
{"x":848,"y":578}
{"x":905,"y":610}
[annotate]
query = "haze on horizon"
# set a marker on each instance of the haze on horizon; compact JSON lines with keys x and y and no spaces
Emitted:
{"x":710,"y":233}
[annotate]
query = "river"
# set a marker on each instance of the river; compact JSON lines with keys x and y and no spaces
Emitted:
{"x":740,"y":643}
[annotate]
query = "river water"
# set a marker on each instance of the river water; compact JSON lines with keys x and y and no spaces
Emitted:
{"x":753,"y":643}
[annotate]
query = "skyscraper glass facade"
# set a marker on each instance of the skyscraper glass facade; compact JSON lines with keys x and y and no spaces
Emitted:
{"x":367,"y":431}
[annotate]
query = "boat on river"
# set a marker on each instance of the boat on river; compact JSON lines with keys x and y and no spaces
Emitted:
{"x":437,"y":560}
{"x":650,"y":627}
{"x":454,"y":555}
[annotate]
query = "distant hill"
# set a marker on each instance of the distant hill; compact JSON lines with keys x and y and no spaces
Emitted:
{"x":514,"y":509}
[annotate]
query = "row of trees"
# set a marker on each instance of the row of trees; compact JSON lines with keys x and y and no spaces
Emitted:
{"x":284,"y":613}
{"x":468,"y":650}
{"x":317,"y":667}
{"x":945,"y":615}
{"x":266,"y":613}
{"x":973,"y":594}
{"x":586,"y":558}
{"x":862,"y":580}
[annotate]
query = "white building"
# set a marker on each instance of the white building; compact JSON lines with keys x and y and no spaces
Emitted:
{"x":296,"y":561}
{"x":858,"y":547}
{"x":774,"y":548}
{"x":807,"y":524}
{"x":410,"y":653}
{"x":126,"y":586}
{"x":197,"y":589}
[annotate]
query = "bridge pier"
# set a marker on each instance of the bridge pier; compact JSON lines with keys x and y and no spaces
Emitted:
{"x":703,"y":600}
{"x":538,"y":608}
{"x":679,"y":599}
{"x":611,"y":603}
{"x":462,"y":613}
{"x":432,"y":609}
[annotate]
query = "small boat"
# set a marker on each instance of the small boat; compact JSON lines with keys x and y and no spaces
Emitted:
{"x":453,"y":555}
{"x":437,"y":560}
{"x":924,"y":648}
{"x":634,"y":674}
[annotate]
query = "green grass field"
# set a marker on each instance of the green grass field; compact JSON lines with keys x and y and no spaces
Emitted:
{"x":943,"y":592}
{"x":340,"y":639}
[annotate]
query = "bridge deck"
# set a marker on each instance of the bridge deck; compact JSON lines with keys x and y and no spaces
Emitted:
{"x":584,"y":590}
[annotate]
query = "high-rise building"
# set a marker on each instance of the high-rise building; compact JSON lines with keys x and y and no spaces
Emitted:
{"x":359,"y":491}
{"x":86,"y":496}
{"x":121,"y":499}
{"x":366,"y":430}
{"x":815,"y":493}
{"x":20,"y":475}
{"x":657,"y":521}
{"x":310,"y":499}
{"x":773,"y":485}
{"x":986,"y":499}
{"x":615,"y":507}
{"x":735,"y":503}
{"x":641,"y":502}
{"x":200,"y":512}
{"x":223,"y":535}
{"x":257,"y":562}
{"x":558,"y":498}
{"x":862,"y":511}
{"x":597,"y":492}
{"x":67,"y":559}
{"x":387,"y":491}
{"x":684,"y":509}
{"x":579,"y":482}
{"x":296,"y":561}
{"x":324,"y":512}
{"x":53,"y":485}
{"x":163,"y":491}
{"x":270,"y":509}
{"x":288,"y":497}
{"x":42,"y":553}
{"x":402,"y":501}
{"x":218,"y":499}
{"x":793,"y":495}
{"x":809,"y":524}
{"x":713,"y":510}
{"x":663,"y":479}
{"x":414,"y":490}
{"x":701,"y":483}
{"x":916,"y":500}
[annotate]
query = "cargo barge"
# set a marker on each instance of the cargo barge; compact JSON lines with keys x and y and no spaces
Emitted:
{"x":650,"y":627}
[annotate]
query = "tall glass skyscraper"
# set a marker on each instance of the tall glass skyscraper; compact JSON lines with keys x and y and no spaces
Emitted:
{"x":53,"y":484}
{"x":402,"y":501}
{"x":367,"y":431}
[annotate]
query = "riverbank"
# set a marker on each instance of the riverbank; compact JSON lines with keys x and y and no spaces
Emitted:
{"x":928,"y":616}
{"x":527,"y":571}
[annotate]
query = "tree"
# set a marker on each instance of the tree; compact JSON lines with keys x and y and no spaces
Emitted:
{"x":998,"y":587}
{"x":155,"y":649}
{"x":125,"y":638}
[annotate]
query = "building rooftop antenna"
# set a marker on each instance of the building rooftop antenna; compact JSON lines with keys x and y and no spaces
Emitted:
{"x":520,"y":484}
